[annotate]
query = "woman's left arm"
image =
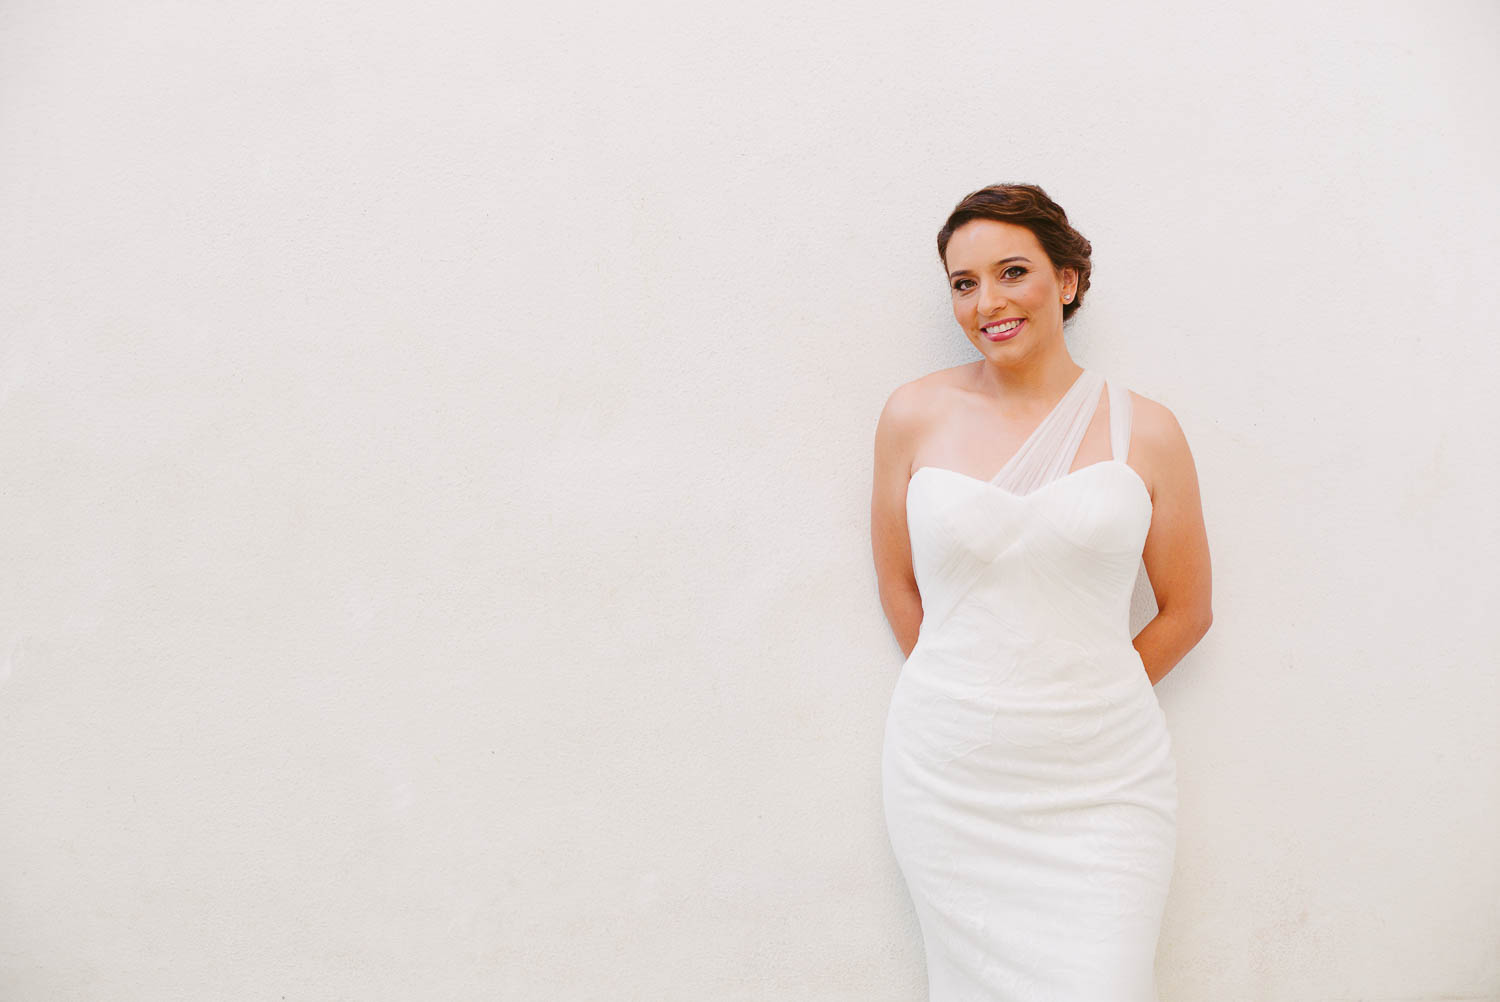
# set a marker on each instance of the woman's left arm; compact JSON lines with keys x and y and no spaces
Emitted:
{"x":1176,"y":551}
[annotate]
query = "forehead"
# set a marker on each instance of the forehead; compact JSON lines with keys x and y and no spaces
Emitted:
{"x":981,"y":242}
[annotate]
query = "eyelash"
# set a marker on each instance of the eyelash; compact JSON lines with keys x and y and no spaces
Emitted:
{"x":1014,"y":267}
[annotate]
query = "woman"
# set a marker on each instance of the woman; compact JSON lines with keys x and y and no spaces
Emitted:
{"x":1029,"y":785}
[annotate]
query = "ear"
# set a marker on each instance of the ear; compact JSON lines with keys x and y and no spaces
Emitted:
{"x":1068,"y":279}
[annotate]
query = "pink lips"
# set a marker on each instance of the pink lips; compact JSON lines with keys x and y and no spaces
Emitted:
{"x":1006,"y":335}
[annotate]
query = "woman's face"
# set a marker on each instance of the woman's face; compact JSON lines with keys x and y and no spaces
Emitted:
{"x":998,"y":274}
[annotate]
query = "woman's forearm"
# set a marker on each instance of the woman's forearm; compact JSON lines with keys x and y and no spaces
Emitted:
{"x":1167,"y":639}
{"x":903,"y":609}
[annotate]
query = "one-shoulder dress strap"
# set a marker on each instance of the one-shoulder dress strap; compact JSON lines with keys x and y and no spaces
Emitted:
{"x":1049,"y":452}
{"x":1119,"y":421}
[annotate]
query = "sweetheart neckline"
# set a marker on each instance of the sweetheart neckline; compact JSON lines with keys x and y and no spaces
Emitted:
{"x":990,"y":483}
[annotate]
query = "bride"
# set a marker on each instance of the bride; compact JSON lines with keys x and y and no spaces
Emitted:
{"x":1028,"y":779}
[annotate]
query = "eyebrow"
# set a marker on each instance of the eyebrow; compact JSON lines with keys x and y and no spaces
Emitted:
{"x":965,"y":271}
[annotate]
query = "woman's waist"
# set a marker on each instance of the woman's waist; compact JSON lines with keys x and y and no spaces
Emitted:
{"x":1060,"y":665}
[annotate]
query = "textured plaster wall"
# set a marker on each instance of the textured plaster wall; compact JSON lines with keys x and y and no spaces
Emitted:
{"x":436,"y":447}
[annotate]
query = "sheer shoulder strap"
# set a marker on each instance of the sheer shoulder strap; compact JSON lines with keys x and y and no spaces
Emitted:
{"x":1119,"y":421}
{"x":1048,"y":454}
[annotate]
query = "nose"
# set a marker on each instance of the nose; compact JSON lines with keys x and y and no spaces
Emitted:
{"x":991,"y":299}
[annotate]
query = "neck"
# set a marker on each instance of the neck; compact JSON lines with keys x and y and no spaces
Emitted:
{"x":1029,"y":383}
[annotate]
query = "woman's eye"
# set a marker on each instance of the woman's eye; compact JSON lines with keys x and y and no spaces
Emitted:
{"x":959,"y":285}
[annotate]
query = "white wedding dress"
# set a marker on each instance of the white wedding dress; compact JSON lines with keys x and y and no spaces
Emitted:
{"x":1029,"y":787}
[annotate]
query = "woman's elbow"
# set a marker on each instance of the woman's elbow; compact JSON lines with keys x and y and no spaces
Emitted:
{"x":1204,"y":620}
{"x":1192,"y":619}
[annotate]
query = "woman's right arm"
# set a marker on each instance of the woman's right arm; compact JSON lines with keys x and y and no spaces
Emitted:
{"x":895,"y":443}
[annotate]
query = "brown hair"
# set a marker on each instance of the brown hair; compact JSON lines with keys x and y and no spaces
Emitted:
{"x":1027,"y":205}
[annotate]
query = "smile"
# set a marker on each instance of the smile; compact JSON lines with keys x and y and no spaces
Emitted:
{"x":1002,"y":331}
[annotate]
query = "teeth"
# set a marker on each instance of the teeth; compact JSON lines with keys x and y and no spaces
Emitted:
{"x":1001,"y":328}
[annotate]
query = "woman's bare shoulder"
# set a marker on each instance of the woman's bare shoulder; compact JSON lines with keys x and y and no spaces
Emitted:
{"x":1157,"y":435}
{"x":1152,"y":420}
{"x":911,"y":410}
{"x":916,"y":397}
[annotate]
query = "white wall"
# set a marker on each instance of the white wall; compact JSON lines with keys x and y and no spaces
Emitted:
{"x":436,"y":450}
